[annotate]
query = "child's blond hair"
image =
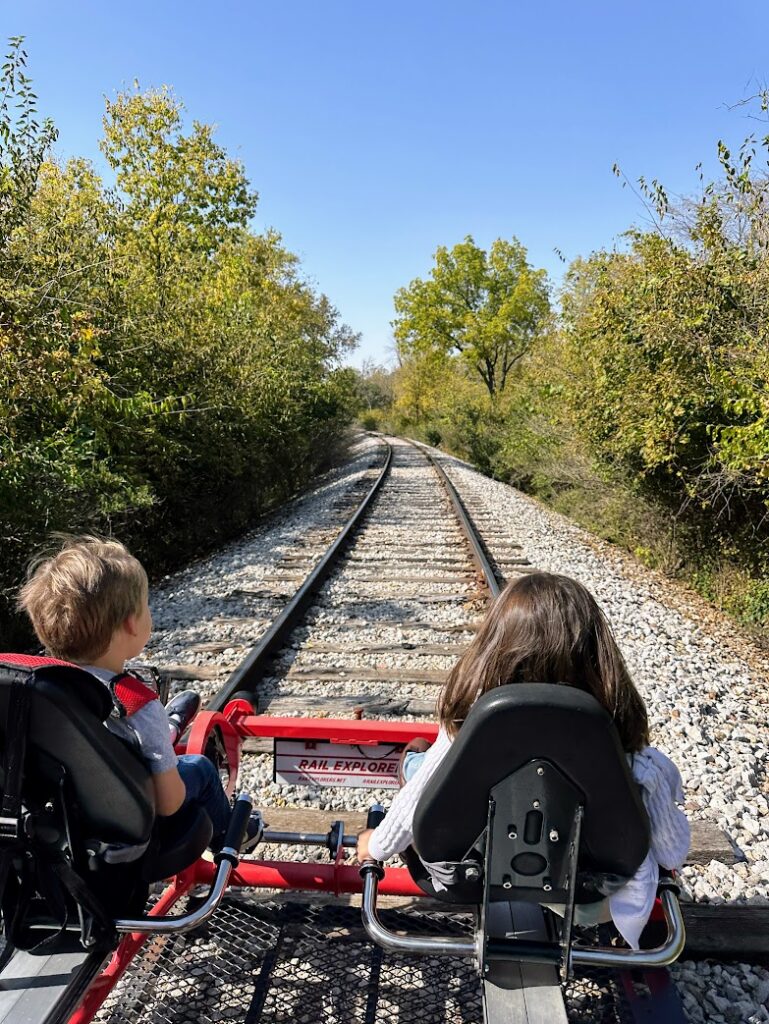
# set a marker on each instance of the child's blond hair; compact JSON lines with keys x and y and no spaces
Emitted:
{"x":78,"y":597}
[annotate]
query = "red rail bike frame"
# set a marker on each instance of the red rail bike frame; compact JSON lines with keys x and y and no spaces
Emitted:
{"x":235,"y":724}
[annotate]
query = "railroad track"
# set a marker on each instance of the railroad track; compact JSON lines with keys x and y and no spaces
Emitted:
{"x":369,"y":629}
{"x":427,"y":570}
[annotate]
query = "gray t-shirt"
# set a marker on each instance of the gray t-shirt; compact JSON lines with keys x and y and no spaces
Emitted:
{"x":148,"y":725}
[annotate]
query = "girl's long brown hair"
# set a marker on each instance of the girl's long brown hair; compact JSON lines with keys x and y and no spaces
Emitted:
{"x":545,"y":628}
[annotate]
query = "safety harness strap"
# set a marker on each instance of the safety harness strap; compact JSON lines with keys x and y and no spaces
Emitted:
{"x":130,"y":694}
{"x":16,"y":727}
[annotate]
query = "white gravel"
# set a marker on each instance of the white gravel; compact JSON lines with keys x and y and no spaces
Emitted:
{"x":707,"y":707}
{"x":186,"y":604}
{"x":412,"y":518}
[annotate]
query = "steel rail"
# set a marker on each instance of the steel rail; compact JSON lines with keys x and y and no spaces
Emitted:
{"x":254,"y":665}
{"x":469,"y":528}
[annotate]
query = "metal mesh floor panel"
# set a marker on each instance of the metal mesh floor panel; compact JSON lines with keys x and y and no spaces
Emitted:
{"x":266,"y":960}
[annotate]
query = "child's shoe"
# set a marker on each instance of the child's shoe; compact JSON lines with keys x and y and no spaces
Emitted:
{"x":181,"y":709}
{"x":416,"y":746}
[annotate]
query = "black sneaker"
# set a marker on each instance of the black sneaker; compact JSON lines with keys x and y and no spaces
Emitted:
{"x":254,"y":831}
{"x":181,"y":709}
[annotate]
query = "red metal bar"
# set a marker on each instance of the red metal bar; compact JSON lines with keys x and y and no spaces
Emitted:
{"x":336,"y":878}
{"x":101,"y":987}
{"x":237,"y":710}
{"x":336,"y":730}
{"x":202,"y":727}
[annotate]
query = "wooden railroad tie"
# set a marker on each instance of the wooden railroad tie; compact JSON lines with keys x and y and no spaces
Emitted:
{"x":362,"y":624}
{"x":414,"y":650}
{"x":320,"y":673}
{"x":193,"y":673}
{"x":361,"y":705}
{"x":435,"y":561}
{"x":407,"y":625}
{"x":709,"y":842}
{"x":466,"y":579}
{"x":355,"y":599}
{"x":331,"y":673}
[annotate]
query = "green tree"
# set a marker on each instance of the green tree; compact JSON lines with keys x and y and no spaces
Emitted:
{"x":374,"y":386}
{"x":667,"y":349}
{"x":181,"y":196}
{"x":24,"y":142}
{"x":155,"y":353}
{"x":484,"y":307}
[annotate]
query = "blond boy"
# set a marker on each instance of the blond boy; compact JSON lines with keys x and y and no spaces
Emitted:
{"x":88,"y":604}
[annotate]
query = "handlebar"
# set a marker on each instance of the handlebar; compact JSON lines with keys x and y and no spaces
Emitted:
{"x":236,"y":830}
{"x":376,"y":814}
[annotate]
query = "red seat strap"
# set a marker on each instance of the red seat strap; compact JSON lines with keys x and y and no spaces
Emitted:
{"x":130,"y":694}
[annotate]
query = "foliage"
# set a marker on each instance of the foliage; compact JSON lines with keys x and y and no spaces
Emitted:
{"x":374,"y":386}
{"x":668,"y":351}
{"x":644,"y":411}
{"x":23,"y":141}
{"x":666,"y":345}
{"x":164,"y":371}
{"x":486,"y":307}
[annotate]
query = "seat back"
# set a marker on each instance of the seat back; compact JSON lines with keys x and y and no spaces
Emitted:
{"x":516,"y":729}
{"x":79,"y":840}
{"x":111,"y":787}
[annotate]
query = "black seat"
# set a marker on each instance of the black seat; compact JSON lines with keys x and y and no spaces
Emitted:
{"x":86,"y":798}
{"x":528,"y":756}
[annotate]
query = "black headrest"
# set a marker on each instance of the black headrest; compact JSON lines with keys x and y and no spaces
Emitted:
{"x":111,"y":785}
{"x":512,"y":725}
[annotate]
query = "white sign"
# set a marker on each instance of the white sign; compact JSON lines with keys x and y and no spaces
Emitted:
{"x":318,"y":763}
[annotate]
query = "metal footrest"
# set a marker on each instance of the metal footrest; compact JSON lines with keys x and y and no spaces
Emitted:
{"x":267,"y":960}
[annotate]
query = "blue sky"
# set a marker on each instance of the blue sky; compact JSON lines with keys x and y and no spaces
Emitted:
{"x":376,"y":132}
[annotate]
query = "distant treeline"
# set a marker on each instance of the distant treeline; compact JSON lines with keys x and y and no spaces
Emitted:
{"x":639,"y":403}
{"x":165,"y":372}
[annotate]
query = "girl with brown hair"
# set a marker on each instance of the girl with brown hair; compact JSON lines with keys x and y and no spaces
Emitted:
{"x":545,"y":628}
